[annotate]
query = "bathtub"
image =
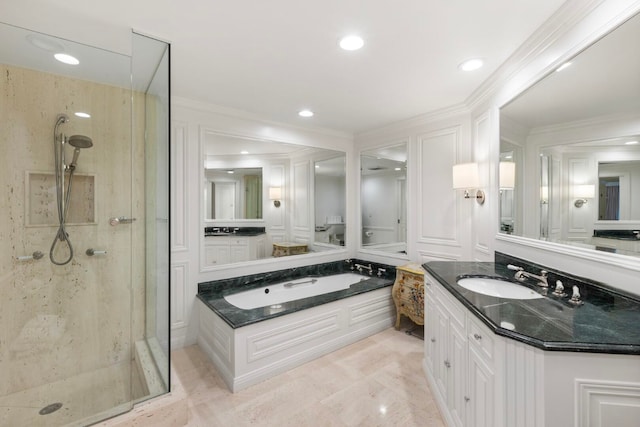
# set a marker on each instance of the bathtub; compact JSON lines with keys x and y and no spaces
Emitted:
{"x":275,"y":334}
{"x":292,"y":290}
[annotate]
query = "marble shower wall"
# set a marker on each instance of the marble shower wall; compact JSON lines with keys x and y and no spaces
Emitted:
{"x":61,"y":321}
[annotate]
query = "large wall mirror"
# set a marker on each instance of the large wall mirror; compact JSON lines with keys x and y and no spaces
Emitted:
{"x":383,"y":200}
{"x":575,"y":140}
{"x":266,"y":199}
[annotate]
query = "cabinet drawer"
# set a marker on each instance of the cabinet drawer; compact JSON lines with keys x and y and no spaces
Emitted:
{"x":239,"y":241}
{"x":481,"y":338}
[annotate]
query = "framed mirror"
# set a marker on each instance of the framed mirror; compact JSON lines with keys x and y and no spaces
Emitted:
{"x":383,"y":199}
{"x":264,"y":199}
{"x":579,"y":134}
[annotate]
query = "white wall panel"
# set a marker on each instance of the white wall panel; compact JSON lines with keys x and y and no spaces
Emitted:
{"x":179,"y":158}
{"x":440,"y":214}
{"x":179,"y":295}
{"x":484,"y":233}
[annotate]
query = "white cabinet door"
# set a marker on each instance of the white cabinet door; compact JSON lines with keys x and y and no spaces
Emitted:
{"x":430,"y":332}
{"x":216,"y":254}
{"x":481,"y":391}
{"x":239,"y":250}
{"x":457,"y":373}
{"x":441,"y":352}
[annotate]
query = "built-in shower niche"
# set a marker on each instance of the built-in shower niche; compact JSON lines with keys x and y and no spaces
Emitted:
{"x":41,"y":206}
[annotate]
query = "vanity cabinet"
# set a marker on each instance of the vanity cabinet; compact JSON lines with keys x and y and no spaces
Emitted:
{"x":482,"y":379}
{"x":230,"y":249}
{"x":457,"y":360}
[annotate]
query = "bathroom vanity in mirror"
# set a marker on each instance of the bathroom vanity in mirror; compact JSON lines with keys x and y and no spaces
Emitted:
{"x":293,"y":193}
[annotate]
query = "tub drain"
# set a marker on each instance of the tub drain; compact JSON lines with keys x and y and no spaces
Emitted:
{"x":49,"y":409}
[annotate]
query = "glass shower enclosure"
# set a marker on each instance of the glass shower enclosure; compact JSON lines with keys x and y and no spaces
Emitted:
{"x":84,"y":251}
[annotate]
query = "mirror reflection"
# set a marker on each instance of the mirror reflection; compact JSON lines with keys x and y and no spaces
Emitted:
{"x":383,"y":179}
{"x":234,"y":193}
{"x":267,"y":199}
{"x":330,"y":201}
{"x":579,"y":133}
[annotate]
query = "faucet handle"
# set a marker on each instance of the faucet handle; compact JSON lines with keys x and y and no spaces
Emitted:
{"x":544,"y":273}
{"x":575,"y":298}
{"x":514,"y":267}
{"x":559,"y":291}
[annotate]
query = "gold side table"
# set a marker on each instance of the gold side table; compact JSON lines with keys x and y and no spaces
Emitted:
{"x":408,"y":293}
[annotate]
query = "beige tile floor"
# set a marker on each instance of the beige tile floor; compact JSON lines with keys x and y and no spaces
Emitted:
{"x":378,"y":381}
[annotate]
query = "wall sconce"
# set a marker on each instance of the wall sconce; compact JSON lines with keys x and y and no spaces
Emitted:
{"x":465,"y":177}
{"x":507,"y":175}
{"x":275,"y":194}
{"x":582,"y":193}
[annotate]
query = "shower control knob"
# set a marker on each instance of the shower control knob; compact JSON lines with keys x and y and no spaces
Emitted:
{"x":92,"y":252}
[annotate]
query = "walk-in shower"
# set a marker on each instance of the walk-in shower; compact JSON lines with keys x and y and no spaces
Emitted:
{"x":62,"y":195}
{"x":84,"y":332}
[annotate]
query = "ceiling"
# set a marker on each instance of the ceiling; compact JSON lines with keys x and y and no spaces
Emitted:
{"x":274,"y":58}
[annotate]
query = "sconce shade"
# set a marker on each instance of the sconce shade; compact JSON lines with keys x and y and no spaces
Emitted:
{"x":587,"y":191}
{"x":465,"y":176}
{"x":507,"y":175}
{"x":275,"y":193}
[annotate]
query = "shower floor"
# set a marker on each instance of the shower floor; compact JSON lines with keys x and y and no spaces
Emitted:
{"x":86,"y":398}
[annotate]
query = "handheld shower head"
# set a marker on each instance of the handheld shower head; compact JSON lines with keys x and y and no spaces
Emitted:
{"x":78,"y":142}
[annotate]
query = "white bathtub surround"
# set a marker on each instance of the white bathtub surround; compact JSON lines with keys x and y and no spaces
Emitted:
{"x":250,"y":354}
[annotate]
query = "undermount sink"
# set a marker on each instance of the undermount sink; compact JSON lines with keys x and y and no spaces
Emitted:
{"x":497,"y":288}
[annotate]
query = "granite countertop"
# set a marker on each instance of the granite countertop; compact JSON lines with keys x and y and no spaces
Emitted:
{"x":213,"y":297}
{"x":233,"y":231}
{"x":607,"y":322}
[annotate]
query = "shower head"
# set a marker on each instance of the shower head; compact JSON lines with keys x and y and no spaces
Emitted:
{"x":78,"y":142}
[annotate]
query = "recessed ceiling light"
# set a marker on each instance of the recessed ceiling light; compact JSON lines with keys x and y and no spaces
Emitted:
{"x":317,"y":166}
{"x":67,"y":59}
{"x":397,"y":169}
{"x":508,"y":157}
{"x":631,"y":143}
{"x":351,"y":42}
{"x":471,"y":64}
{"x":305,"y":113}
{"x":82,"y":114}
{"x":229,"y":171}
{"x":562,"y":67}
{"x":244,"y":152}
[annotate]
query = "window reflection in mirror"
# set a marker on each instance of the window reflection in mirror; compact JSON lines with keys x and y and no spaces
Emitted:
{"x":330,"y":201}
{"x":233,"y":193}
{"x":584,"y":120}
{"x":383,"y":199}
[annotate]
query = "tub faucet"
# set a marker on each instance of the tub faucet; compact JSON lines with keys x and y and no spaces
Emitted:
{"x":522,"y":275}
{"x":381,"y":271}
{"x":361,"y":267}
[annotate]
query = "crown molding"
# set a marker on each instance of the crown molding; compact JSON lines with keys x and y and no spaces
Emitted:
{"x":557,"y":26}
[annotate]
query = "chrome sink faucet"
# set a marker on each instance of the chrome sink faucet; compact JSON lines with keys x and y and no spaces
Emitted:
{"x":361,"y":267}
{"x":522,"y":275}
